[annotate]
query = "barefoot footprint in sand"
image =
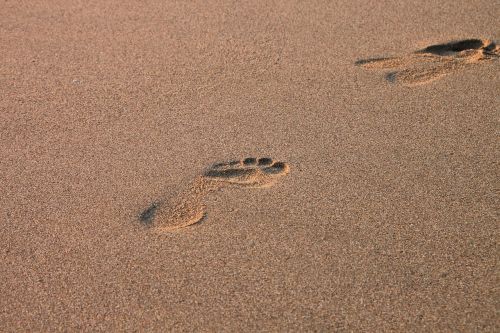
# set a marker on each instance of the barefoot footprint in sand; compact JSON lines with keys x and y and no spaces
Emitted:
{"x":435,"y":61}
{"x":189,"y":208}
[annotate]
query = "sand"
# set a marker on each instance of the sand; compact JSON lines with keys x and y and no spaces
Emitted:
{"x":381,"y":214}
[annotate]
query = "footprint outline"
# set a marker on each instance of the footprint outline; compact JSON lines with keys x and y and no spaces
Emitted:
{"x":189,"y":207}
{"x":434,"y":61}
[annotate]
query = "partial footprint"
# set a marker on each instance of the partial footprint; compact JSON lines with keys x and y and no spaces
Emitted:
{"x":467,"y":46}
{"x":434,"y":61}
{"x":422,"y":74}
{"x":189,"y":208}
{"x":394,"y":62}
{"x":249,"y":172}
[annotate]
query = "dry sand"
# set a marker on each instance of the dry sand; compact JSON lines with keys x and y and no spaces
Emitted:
{"x":386,"y":216}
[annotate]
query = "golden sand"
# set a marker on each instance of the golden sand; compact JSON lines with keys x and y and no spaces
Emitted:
{"x":120,"y":211}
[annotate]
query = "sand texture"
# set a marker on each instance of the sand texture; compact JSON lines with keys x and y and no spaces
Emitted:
{"x":249,"y":166}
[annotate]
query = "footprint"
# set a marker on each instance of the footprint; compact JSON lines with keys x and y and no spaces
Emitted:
{"x":189,"y":208}
{"x":434,"y":61}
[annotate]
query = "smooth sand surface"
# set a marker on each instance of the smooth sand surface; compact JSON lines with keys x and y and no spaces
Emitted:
{"x":386,"y":217}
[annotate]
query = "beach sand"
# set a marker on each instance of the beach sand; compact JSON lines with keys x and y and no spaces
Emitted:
{"x":116,"y":212}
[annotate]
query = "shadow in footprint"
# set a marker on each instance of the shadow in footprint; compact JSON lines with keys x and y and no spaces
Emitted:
{"x":382,"y":63}
{"x":454,"y":47}
{"x":147,"y":215}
